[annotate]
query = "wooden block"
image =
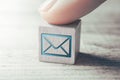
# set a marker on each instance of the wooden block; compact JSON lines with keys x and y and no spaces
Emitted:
{"x":59,"y":43}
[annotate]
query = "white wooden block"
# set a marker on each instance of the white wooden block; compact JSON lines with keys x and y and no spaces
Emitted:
{"x":59,"y":43}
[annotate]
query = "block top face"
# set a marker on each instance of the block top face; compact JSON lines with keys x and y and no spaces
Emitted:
{"x":73,"y":25}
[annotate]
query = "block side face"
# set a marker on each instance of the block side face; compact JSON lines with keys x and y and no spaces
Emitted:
{"x":77,"y":39}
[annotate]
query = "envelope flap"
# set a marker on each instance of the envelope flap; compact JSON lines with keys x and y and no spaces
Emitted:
{"x":55,"y":41}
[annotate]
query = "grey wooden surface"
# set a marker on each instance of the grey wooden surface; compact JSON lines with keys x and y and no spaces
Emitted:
{"x":99,"y":57}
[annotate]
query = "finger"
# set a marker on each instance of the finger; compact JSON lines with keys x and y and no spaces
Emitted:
{"x":67,"y":11}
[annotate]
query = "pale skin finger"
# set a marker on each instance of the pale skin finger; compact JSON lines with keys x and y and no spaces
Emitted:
{"x":67,"y":11}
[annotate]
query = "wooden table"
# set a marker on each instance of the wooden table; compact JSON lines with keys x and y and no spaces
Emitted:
{"x":99,"y":57}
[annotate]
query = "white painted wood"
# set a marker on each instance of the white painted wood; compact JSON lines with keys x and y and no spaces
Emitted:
{"x":59,"y":43}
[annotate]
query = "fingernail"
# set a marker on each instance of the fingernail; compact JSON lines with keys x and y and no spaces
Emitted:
{"x":47,"y":5}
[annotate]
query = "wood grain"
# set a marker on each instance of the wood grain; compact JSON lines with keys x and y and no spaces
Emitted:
{"x":99,"y":57}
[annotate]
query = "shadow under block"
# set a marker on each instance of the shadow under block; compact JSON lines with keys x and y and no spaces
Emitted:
{"x":59,"y":43}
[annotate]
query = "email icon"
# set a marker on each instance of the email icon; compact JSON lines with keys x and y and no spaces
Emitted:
{"x":56,"y":45}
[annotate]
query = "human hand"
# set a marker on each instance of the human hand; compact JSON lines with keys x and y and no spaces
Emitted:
{"x":67,"y":11}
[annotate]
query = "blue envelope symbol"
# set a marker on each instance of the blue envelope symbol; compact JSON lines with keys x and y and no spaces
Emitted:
{"x":56,"y":45}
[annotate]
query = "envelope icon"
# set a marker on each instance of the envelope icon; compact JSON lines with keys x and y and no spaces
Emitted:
{"x":56,"y":45}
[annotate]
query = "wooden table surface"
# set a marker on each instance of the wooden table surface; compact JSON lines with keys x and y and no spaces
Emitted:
{"x":99,"y":57}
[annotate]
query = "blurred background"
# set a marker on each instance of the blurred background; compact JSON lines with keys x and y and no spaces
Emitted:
{"x":19,"y":22}
{"x":19,"y":42}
